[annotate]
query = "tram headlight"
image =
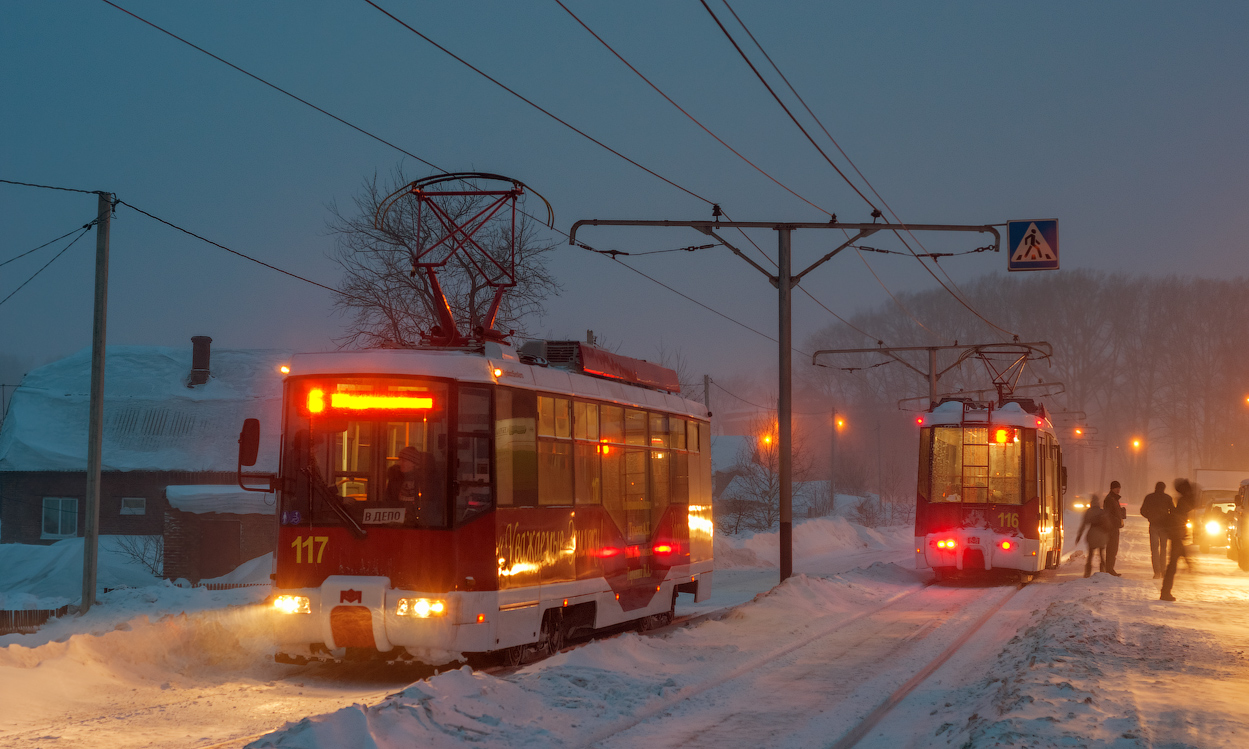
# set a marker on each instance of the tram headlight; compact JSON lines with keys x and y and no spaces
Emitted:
{"x":422,"y":608}
{"x":1213,"y":528}
{"x":293,"y":604}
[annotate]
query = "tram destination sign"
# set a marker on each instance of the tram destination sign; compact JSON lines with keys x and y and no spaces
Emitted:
{"x":1032,"y":244}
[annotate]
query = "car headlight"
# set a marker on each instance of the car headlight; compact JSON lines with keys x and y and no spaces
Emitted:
{"x":422,"y":608}
{"x":1213,"y":527}
{"x":293,"y":604}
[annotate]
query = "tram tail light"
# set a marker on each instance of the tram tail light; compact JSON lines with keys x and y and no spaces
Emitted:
{"x":293,"y":604}
{"x":422,"y":608}
{"x":481,"y":618}
{"x":1006,"y":545}
{"x":663,"y":548}
{"x":947,"y":543}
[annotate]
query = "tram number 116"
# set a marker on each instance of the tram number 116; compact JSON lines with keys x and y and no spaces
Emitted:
{"x":1008,"y":519}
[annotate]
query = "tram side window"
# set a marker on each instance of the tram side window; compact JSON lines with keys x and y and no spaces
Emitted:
{"x":473,"y":454}
{"x":947,"y":464}
{"x":516,"y":447}
{"x":678,"y":433}
{"x":612,"y":464}
{"x":925,"y":458}
{"x":555,"y":451}
{"x":588,"y":489}
{"x":635,"y":427}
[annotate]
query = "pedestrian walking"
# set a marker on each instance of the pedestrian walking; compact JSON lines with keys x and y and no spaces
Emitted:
{"x":1094,"y":527}
{"x":1115,"y":514}
{"x":1177,"y":525}
{"x":1156,"y":507}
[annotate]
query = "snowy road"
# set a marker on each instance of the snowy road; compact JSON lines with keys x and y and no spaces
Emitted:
{"x":1064,"y":661}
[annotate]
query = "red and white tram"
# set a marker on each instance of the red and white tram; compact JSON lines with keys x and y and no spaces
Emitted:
{"x":436,"y":502}
{"x":990,"y":488}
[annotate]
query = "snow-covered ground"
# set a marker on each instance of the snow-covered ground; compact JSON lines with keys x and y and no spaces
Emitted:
{"x":1066,"y":661}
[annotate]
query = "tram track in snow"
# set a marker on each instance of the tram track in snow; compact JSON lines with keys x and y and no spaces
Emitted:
{"x":760,"y":663}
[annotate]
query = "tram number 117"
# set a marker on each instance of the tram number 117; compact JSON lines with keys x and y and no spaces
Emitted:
{"x":300,"y":543}
{"x":1008,"y":519}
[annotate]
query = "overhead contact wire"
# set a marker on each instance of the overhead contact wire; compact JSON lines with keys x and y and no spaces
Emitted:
{"x":957,"y":297}
{"x":553,"y":116}
{"x":726,"y":145}
{"x":412,"y":155}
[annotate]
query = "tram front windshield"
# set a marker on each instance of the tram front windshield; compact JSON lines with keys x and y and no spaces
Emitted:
{"x":979,"y":464}
{"x":371,"y":449}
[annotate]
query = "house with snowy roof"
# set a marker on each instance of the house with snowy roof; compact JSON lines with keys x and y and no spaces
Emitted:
{"x":170,"y":452}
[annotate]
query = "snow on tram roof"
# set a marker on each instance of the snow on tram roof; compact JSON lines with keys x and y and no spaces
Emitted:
{"x":471,"y":366}
{"x":956,"y":412}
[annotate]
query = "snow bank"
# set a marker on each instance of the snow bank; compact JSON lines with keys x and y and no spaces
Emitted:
{"x":576,"y":697}
{"x":34,"y":576}
{"x":816,"y":536}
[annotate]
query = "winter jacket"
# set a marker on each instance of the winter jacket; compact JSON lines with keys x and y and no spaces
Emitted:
{"x":1177,"y":519}
{"x":1115,"y":512}
{"x":1096,"y":522}
{"x":1156,"y":507}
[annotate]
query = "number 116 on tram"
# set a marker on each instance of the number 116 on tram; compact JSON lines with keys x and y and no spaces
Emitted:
{"x":438,"y":502}
{"x":990,"y":488}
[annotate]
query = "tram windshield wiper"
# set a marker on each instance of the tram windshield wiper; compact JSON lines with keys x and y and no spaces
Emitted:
{"x":332,"y":500}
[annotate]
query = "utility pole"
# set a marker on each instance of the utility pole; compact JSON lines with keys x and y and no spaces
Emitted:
{"x":784,"y":282}
{"x":832,"y":466}
{"x":95,"y":428}
{"x":707,"y":392}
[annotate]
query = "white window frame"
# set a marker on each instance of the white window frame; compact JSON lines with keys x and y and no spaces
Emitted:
{"x":140,"y":510}
{"x":73,"y":532}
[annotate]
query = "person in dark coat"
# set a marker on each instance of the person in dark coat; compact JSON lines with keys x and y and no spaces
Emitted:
{"x":1177,"y":525}
{"x":1115,"y":513}
{"x":1156,"y":507}
{"x":1095,"y":524}
{"x":414,"y":482}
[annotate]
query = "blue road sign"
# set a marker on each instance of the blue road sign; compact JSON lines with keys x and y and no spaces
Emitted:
{"x":1032,"y":245}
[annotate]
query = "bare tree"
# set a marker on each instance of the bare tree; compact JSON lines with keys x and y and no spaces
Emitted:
{"x":146,"y":551}
{"x":758,"y":482}
{"x":676,"y":360}
{"x":390,"y":307}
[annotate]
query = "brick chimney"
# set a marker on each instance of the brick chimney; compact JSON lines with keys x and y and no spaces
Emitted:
{"x":201,"y":350}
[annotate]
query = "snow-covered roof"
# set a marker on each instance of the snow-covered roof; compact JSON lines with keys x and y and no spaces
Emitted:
{"x":1011,"y":414}
{"x":152,"y":420}
{"x":203,"y":499}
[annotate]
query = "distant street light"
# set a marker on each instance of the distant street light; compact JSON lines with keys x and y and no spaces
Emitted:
{"x":1136,"y":444}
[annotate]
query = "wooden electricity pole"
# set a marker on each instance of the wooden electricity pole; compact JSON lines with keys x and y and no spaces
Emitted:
{"x":95,"y":427}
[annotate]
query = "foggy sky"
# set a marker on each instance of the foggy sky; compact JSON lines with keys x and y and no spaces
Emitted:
{"x":1126,"y":121}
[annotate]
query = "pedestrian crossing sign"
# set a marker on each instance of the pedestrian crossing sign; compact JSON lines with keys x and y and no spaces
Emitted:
{"x":1033,"y":245}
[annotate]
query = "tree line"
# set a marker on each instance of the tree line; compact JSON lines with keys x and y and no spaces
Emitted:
{"x":1159,"y":360}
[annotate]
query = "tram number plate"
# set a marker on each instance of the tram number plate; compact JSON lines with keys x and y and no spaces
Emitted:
{"x":384,"y":515}
{"x":973,"y":539}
